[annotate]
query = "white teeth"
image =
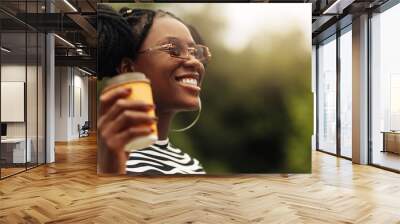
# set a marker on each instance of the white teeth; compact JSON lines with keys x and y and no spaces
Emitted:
{"x":189,"y":81}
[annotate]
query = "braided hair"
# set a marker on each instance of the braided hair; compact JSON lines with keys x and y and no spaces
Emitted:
{"x":142,"y":19}
{"x":121,"y":35}
{"x":115,"y":41}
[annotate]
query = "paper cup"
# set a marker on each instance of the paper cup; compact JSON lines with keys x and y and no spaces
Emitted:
{"x":141,"y":91}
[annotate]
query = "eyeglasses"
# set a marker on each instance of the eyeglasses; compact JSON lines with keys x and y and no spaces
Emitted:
{"x":177,"y":50}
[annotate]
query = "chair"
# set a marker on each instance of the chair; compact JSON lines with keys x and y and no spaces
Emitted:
{"x":84,"y":130}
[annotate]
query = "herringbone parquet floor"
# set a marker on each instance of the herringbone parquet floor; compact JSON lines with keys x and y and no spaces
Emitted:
{"x":69,"y":191}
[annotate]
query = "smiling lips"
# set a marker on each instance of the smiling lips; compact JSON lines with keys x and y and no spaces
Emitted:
{"x":189,"y":80}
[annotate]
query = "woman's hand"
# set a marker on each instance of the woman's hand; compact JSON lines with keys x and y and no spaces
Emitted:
{"x":120,"y":121}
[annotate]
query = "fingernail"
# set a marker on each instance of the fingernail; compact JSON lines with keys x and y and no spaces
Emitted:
{"x":127,"y":90}
{"x":150,"y":106}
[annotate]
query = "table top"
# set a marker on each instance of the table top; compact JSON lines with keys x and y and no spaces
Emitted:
{"x":391,"y":132}
{"x":13,"y":140}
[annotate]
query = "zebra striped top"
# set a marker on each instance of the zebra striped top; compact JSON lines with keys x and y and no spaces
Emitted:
{"x":162,"y":158}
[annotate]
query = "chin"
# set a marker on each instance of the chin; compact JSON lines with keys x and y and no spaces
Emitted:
{"x":192,"y":104}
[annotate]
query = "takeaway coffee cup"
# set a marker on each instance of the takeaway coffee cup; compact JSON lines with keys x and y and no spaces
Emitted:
{"x":141,"y":91}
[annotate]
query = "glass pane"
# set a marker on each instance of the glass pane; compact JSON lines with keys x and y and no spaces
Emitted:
{"x":31,"y":97}
{"x":346,"y":94}
{"x":31,"y":85}
{"x":15,"y":8}
{"x":314,"y":74}
{"x":386,"y":89}
{"x":22,"y":77}
{"x":13,"y":84}
{"x":327,"y":96}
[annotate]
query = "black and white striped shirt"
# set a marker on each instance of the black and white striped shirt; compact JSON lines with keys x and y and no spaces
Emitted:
{"x":162,"y":158}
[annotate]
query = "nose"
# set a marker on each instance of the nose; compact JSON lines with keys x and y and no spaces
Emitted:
{"x":192,"y":61}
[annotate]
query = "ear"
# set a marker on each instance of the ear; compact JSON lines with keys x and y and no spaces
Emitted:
{"x":126,"y":65}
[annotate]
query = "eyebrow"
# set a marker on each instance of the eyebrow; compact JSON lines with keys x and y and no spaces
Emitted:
{"x":170,"y":38}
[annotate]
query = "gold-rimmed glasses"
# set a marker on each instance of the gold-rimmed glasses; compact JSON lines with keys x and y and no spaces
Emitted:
{"x":176,"y":50}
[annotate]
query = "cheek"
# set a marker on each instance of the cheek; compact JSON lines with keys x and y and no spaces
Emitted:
{"x":157,"y":71}
{"x":160,"y":74}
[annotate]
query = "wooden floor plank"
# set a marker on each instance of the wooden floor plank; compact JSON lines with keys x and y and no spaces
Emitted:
{"x":69,"y":191}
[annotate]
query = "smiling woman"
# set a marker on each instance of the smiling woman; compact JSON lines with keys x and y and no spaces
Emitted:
{"x":171,"y":55}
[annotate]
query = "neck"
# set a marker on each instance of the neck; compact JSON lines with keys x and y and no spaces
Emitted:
{"x":164,"y":123}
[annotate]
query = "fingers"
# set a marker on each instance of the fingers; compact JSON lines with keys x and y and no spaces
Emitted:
{"x":122,"y":105}
{"x":122,"y":120}
{"x":128,"y":119}
{"x":110,"y":97}
{"x":120,"y":140}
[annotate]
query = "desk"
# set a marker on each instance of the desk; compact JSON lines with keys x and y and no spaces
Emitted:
{"x":13,"y":150}
{"x":391,"y":141}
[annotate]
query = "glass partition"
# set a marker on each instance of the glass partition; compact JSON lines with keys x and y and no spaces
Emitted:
{"x":22,"y":89}
{"x":327,"y":95}
{"x":35,"y":45}
{"x":346,"y":92}
{"x":14,"y":151}
{"x":31,"y":98}
{"x":385,"y":89}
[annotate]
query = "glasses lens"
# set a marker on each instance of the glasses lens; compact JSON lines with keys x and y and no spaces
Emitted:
{"x":180,"y":51}
{"x":175,"y":50}
{"x":202,"y":53}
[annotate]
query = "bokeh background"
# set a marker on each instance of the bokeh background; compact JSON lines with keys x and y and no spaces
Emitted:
{"x":256,"y":95}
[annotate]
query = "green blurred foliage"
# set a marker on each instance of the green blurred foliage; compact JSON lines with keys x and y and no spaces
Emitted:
{"x":257,"y":103}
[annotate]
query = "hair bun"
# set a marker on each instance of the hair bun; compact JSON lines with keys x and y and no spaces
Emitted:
{"x":124,"y":10}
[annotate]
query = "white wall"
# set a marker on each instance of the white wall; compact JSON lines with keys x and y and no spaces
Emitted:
{"x":71,"y":93}
{"x":33,"y":127}
{"x":16,"y":73}
{"x":61,"y":103}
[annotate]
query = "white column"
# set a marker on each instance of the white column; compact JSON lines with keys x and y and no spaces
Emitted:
{"x":50,"y":109}
{"x":50,"y":93}
{"x":360,"y":89}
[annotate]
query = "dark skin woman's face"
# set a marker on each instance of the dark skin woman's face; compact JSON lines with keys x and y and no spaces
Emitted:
{"x":175,"y":82}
